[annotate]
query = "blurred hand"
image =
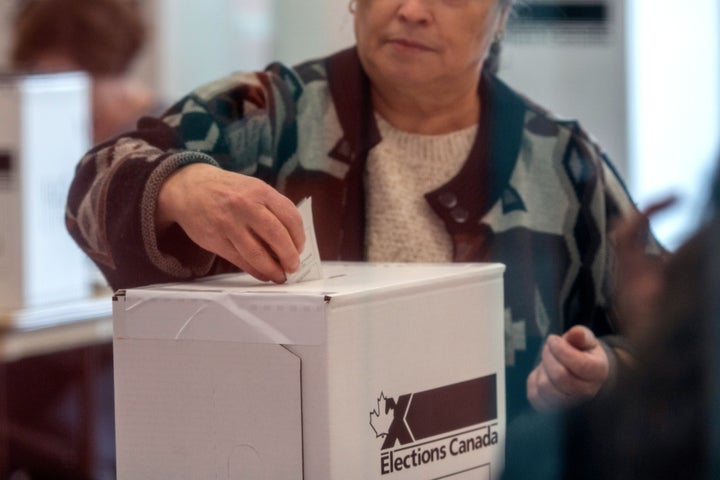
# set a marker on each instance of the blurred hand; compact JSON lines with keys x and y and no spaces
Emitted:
{"x":639,"y":279}
{"x":573,"y":368}
{"x":240,"y":218}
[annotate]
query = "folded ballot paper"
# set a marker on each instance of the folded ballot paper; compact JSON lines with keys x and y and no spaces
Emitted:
{"x":310,"y":266}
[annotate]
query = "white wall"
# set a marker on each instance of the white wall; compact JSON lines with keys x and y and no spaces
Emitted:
{"x":306,"y":29}
{"x":578,"y":74}
{"x":674,"y":77}
{"x":199,"y":41}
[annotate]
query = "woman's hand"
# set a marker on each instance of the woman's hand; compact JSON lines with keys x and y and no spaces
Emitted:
{"x":240,"y":218}
{"x":573,"y":368}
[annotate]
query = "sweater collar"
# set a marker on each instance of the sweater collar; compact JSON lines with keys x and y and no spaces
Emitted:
{"x":467,"y":197}
{"x":496,"y":145}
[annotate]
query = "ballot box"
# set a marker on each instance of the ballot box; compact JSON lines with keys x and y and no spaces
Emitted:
{"x":374,"y":371}
{"x":45,"y":131}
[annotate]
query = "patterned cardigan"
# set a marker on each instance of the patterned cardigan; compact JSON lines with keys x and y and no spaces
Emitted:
{"x":535,"y":192}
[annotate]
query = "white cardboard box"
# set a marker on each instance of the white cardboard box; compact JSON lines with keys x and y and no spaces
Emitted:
{"x":45,"y":130}
{"x":392,"y":371}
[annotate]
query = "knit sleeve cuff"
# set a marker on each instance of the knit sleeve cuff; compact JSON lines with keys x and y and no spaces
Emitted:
{"x":175,"y":254}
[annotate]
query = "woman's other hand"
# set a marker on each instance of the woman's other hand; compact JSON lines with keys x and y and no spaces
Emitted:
{"x":573,"y":368}
{"x":239,"y":218}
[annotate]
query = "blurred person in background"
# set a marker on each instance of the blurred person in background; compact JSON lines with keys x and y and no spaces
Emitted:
{"x":100,"y":37}
{"x":661,"y":418}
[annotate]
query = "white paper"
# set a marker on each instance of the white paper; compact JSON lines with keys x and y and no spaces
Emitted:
{"x":310,"y":266}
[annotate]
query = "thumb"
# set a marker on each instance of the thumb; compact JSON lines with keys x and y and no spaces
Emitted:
{"x":581,"y":338}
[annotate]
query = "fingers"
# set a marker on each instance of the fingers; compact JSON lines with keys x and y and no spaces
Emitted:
{"x":279,"y":228}
{"x":638,"y":280}
{"x":659,"y":205}
{"x":568,"y":374}
{"x":581,"y":338}
{"x":590,"y":364}
{"x":240,"y":218}
{"x":263,"y":248}
{"x":632,"y":232}
{"x":537,"y":401}
{"x":231,"y":254}
{"x":542,"y":392}
{"x":287,"y":213}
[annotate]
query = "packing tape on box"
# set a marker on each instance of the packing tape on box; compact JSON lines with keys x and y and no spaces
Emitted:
{"x":221,"y":316}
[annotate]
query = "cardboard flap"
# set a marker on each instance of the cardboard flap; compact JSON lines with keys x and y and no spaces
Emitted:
{"x":220,"y":315}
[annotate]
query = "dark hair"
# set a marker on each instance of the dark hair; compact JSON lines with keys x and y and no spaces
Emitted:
{"x":101,"y":36}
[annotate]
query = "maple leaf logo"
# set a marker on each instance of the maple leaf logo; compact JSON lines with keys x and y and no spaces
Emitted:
{"x":381,"y":418}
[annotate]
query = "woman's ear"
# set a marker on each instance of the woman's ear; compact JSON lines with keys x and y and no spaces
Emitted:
{"x":504,"y":15}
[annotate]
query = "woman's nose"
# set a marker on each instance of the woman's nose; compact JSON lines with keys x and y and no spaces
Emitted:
{"x":415,"y":11}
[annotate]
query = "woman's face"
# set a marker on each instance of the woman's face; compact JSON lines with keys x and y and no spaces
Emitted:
{"x":420,"y":43}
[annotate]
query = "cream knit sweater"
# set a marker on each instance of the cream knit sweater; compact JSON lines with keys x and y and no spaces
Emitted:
{"x":401,"y":226}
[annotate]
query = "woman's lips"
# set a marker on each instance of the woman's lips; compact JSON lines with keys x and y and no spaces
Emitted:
{"x":408,"y":45}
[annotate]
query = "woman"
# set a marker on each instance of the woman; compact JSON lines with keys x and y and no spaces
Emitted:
{"x":411,"y":151}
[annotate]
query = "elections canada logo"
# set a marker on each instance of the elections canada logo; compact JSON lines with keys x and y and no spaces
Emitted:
{"x":429,"y":426}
